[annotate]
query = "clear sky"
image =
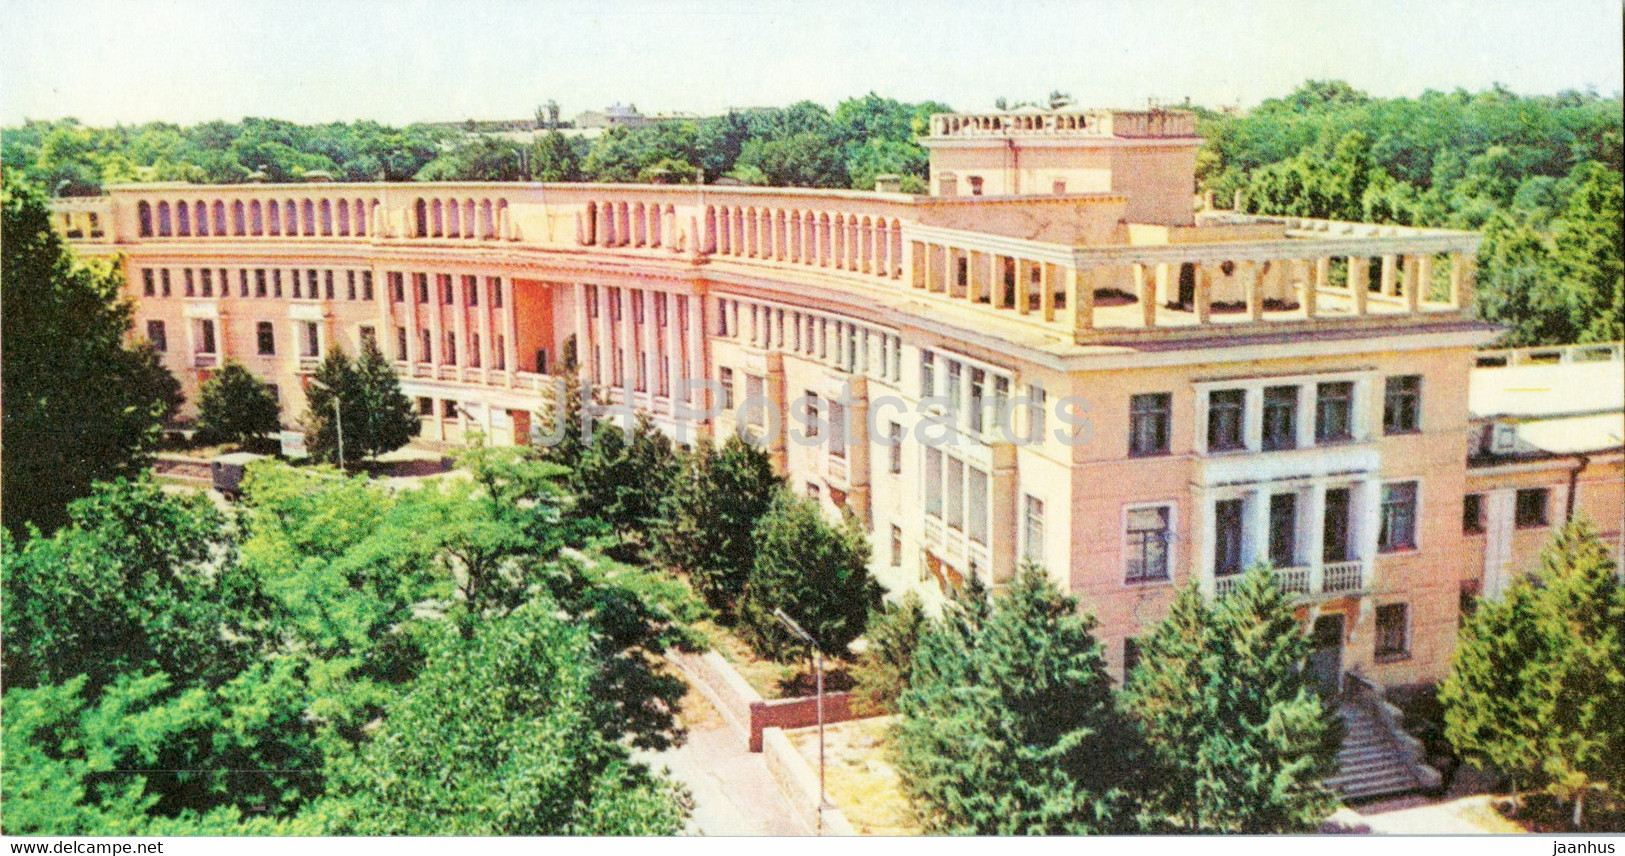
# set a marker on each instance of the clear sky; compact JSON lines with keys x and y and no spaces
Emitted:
{"x":398,"y":61}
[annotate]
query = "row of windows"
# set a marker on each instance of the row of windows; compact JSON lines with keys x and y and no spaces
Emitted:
{"x":309,"y":333}
{"x":446,"y":289}
{"x":448,"y":349}
{"x":311,"y":283}
{"x":1529,"y":510}
{"x":844,"y":345}
{"x":972,"y":391}
{"x":1150,"y":416}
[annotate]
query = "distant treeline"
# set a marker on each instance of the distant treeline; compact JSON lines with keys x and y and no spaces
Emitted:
{"x":1539,"y":175}
{"x":803,"y":145}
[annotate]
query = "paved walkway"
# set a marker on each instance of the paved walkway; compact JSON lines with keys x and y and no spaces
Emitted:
{"x":733,"y":792}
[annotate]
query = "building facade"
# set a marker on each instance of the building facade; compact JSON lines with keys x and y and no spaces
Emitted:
{"x":1060,"y":362}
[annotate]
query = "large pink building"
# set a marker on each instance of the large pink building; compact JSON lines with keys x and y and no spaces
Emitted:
{"x":1198,"y":391}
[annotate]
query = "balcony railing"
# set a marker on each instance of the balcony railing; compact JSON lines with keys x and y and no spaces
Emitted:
{"x":205,"y":360}
{"x":1343,"y":576}
{"x":1335,"y":578}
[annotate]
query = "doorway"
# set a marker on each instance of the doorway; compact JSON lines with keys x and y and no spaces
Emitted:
{"x":1326,"y":653}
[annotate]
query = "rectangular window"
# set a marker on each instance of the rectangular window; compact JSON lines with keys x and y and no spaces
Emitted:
{"x":259,"y":282}
{"x":756,"y":401}
{"x":1149,"y":418}
{"x":186,"y":276}
{"x":976,"y":505}
{"x":896,"y":546}
{"x":276,"y":283}
{"x":206,"y":336}
{"x":366,"y":285}
{"x":157,"y":336}
{"x":933,"y":482}
{"x":368,"y":336}
{"x":400,"y":344}
{"x":1284,"y":530}
{"x":955,"y":394}
{"x":1226,"y":409}
{"x":1530,"y":510}
{"x":495,"y":285}
{"x":448,"y":289}
{"x":1334,"y":412}
{"x":474,"y":353}
{"x":1146,"y":543}
{"x":451,"y":349}
{"x":397,"y":286}
{"x":148,"y":286}
{"x":425,"y":407}
{"x":163,"y":281}
{"x":208,"y":282}
{"x":242,"y":282}
{"x":837,"y":429}
{"x":349,"y":285}
{"x":1398,"y":530}
{"x":472,"y":286}
{"x":810,"y":414}
{"x":1393,"y":632}
{"x":978,"y":392}
{"x":425,"y":344}
{"x":894,"y":462}
{"x":1402,"y":405}
{"x":1472,"y":514}
{"x":311,"y":345}
{"x":421,"y":281}
{"x":265,"y":337}
{"x":327,"y":284}
{"x":1032,"y":528}
{"x":1334,"y":543}
{"x":725,"y":377}
{"x":955,"y":495}
{"x":1280,"y":418}
{"x":1227,"y":523}
{"x":502,"y":353}
{"x":927,"y":374}
{"x":448,"y":408}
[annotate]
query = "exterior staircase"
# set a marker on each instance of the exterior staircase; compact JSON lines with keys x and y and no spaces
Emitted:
{"x":1378,"y":757}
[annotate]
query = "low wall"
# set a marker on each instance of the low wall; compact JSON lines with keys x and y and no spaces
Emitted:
{"x":729,"y":693}
{"x":799,"y":782}
{"x":797,"y":713}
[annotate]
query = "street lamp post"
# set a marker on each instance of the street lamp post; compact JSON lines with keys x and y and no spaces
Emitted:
{"x":818,"y":670}
{"x":338,"y":418}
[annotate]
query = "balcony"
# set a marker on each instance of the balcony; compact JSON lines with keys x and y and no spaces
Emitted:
{"x":308,"y":365}
{"x":1336,"y":578}
{"x":1340,"y":577}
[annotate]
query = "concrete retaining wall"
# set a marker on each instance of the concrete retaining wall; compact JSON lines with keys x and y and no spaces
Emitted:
{"x":799,"y":782}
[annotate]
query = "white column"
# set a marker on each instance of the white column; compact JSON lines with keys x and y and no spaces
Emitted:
{"x":1252,"y":425}
{"x":1306,"y":419}
{"x":510,"y":339}
{"x":1256,"y":528}
{"x":1202,"y":562}
{"x":487,"y":344}
{"x":1314,"y":536}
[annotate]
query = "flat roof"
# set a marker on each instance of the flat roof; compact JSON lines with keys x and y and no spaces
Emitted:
{"x":1547,"y":391}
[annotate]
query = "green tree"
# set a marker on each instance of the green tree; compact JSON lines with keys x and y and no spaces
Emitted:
{"x":623,"y":476}
{"x":1008,"y":725}
{"x":372,"y":412}
{"x":707,"y":519}
{"x":235,"y":406}
{"x":883,"y":670}
{"x":1274,"y":740}
{"x":81,"y":404}
{"x":816,"y":572}
{"x":138,"y":579}
{"x":503,"y":733}
{"x":1537,"y":687}
{"x":1167,"y":694}
{"x":1589,"y":254}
